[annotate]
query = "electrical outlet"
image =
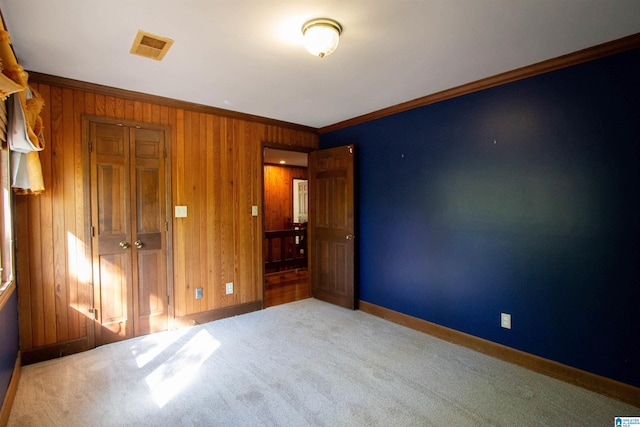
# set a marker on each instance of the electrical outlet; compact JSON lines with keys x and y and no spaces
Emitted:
{"x":229,"y":288}
{"x":505,"y":320}
{"x":198,"y":293}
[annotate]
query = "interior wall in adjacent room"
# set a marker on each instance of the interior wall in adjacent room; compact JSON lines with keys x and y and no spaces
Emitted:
{"x":278,"y":194}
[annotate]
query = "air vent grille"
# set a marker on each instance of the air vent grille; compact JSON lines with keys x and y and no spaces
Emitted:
{"x":150,"y":45}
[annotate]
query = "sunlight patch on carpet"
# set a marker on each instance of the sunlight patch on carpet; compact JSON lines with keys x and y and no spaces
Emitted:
{"x":170,"y":378}
{"x":153,"y":345}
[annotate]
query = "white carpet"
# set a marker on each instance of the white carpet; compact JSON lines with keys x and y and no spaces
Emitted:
{"x":305,"y":363}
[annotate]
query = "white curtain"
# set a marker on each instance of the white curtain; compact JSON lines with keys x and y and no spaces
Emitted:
{"x":26,"y":170}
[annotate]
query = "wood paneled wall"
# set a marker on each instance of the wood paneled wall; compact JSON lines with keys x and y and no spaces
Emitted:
{"x":278,"y":194}
{"x":216,"y":169}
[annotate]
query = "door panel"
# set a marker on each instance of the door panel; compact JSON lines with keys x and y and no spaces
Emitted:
{"x":150,"y":299}
{"x":115,"y":297}
{"x":340,"y":214}
{"x":321,"y":206}
{"x":112,"y":207}
{"x":331,"y":225}
{"x":129,"y":216}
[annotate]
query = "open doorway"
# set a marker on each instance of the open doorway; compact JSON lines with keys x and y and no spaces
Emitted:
{"x":285,"y":175}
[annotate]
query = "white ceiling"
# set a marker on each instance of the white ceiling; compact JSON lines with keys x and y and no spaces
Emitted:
{"x":247,"y":55}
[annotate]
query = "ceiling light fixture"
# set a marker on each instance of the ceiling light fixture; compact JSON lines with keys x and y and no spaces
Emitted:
{"x":321,"y":36}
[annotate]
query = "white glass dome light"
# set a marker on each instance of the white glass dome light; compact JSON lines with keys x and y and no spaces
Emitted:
{"x":321,"y":36}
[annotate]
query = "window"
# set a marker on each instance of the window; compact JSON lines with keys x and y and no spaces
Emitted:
{"x":6,"y":224}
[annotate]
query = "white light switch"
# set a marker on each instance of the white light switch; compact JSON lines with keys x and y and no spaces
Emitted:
{"x":254,"y":210}
{"x":181,"y":211}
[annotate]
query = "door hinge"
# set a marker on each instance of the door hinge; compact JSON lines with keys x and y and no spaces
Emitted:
{"x":90,"y":146}
{"x":166,"y":226}
{"x":168,"y":301}
{"x":164,"y":151}
{"x":93,"y":231}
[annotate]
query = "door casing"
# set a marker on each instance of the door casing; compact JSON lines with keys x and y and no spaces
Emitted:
{"x":349,"y":301}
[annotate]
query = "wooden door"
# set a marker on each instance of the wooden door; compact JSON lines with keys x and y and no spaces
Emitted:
{"x":149,"y":238}
{"x":128,"y":216}
{"x":331,"y":225}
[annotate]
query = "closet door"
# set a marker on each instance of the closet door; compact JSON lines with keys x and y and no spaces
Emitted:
{"x":111,"y":228}
{"x":128,"y":216}
{"x":149,"y":237}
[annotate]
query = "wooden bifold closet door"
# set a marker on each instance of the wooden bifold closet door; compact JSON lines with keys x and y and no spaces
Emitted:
{"x":129,"y":230}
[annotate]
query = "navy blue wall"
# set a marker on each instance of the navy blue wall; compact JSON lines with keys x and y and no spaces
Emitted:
{"x":524,"y":199}
{"x":8,"y":342}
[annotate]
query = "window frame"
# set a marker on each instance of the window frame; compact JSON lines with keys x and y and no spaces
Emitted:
{"x":7,"y":266}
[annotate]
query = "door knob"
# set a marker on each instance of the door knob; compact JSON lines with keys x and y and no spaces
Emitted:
{"x":138,"y":244}
{"x":349,"y":237}
{"x":124,"y":245}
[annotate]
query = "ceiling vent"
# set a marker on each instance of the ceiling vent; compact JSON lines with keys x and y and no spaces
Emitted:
{"x":150,"y":45}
